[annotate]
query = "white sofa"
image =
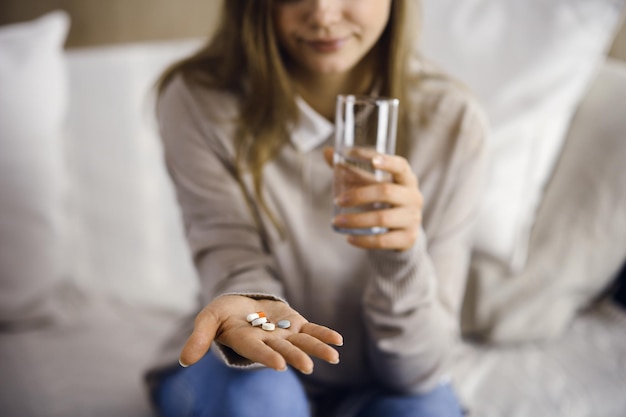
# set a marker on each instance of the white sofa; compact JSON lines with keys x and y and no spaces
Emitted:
{"x":581,"y":369}
{"x":96,"y":274}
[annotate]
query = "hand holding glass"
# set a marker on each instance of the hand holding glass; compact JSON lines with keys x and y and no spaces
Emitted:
{"x":365,"y":127}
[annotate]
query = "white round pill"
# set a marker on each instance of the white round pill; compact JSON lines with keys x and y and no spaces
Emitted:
{"x":252,"y":316}
{"x":268,"y":326}
{"x":259,"y":321}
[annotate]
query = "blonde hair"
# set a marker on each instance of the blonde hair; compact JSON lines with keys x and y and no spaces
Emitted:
{"x":244,"y":58}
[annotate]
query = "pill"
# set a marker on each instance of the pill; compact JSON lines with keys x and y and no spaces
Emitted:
{"x":284,"y":324}
{"x":253,"y":316}
{"x":259,"y":321}
{"x":268,"y":326}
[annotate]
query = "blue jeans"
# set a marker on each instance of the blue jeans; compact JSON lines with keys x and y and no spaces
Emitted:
{"x":211,"y":389}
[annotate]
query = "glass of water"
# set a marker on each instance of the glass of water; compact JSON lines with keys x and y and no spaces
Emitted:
{"x":365,"y":126}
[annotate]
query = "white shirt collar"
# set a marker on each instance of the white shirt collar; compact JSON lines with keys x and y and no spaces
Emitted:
{"x":312,"y":129}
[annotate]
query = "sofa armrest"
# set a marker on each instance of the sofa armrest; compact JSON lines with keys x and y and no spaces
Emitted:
{"x":578,"y":241}
{"x":603,"y":109}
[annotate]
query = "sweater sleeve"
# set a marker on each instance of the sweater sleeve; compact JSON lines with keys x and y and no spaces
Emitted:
{"x":412,"y":299}
{"x":228,"y":248}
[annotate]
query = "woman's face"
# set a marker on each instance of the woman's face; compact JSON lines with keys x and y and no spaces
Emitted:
{"x":324,"y":37}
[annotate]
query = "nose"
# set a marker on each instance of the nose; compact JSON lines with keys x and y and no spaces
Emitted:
{"x":324,"y":13}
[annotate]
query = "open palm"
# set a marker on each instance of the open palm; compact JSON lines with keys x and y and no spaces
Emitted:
{"x":224,"y":320}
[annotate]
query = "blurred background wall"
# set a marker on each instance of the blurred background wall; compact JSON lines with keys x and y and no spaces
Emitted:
{"x":96,"y":22}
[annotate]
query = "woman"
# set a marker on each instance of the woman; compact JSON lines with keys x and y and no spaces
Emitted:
{"x":246,"y":124}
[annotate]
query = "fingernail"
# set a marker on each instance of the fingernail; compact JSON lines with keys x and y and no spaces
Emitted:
{"x":307,"y":371}
{"x":183,"y":364}
{"x":339,"y":221}
{"x":340,"y":200}
{"x":378,"y":160}
{"x":335,"y":362}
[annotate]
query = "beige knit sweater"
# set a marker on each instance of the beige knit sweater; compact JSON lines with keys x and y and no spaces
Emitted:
{"x":398,"y":311}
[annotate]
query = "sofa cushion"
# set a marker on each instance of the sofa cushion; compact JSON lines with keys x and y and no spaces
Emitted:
{"x":529,"y":62}
{"x":582,"y":373}
{"x":32,"y":109}
{"x":90,"y":364}
{"x":578,"y":242}
{"x":125,"y":235}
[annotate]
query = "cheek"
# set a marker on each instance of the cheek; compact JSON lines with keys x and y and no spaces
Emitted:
{"x":282,"y":26}
{"x":287,"y":15}
{"x":374,"y":16}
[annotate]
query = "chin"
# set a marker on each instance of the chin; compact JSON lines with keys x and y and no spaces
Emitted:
{"x":332,"y":68}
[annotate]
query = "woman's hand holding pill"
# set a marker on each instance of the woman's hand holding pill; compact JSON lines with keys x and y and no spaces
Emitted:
{"x":226,"y":320}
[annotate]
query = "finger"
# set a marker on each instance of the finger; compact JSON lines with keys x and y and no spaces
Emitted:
{"x":255,"y":349}
{"x":391,"y":218}
{"x":394,"y":194}
{"x":199,"y":342}
{"x":292,"y":354}
{"x":398,"y":167}
{"x":323,"y":333}
{"x":314,"y":347}
{"x":329,"y":155}
{"x":394,"y":240}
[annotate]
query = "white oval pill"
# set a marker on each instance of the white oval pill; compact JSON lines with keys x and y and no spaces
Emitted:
{"x":284,"y":324}
{"x":259,"y":321}
{"x":252,"y":316}
{"x":268,"y":326}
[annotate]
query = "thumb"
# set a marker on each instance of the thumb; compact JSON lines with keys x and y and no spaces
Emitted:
{"x":200,"y":340}
{"x":328,"y":155}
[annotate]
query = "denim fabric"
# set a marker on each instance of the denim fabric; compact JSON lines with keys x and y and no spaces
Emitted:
{"x":440,"y":402}
{"x":210,"y":388}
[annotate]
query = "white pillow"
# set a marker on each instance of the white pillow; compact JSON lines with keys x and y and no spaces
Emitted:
{"x":126,"y":232}
{"x":578,"y":243}
{"x":529,"y":62}
{"x":32,"y":108}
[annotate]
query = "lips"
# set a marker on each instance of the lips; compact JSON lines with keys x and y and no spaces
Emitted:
{"x":326,"y":45}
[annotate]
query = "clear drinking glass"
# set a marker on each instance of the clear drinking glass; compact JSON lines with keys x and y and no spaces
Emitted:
{"x":365,"y":127}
